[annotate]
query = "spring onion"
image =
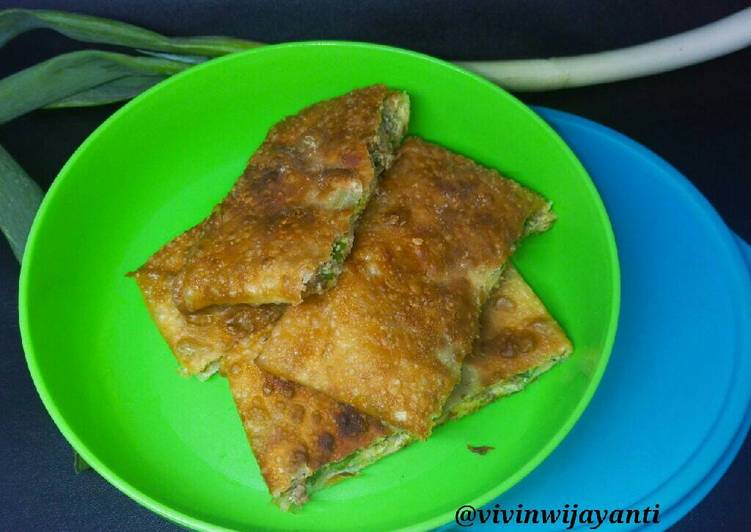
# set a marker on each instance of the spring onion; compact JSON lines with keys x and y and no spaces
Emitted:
{"x":68,"y":75}
{"x":90,"y":29}
{"x":719,"y":38}
{"x":20,"y":197}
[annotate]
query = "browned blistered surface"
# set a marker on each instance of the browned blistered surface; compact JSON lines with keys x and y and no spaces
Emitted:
{"x":294,"y":430}
{"x":517,"y":334}
{"x":391,"y":337}
{"x":298,"y":194}
{"x":198,"y":340}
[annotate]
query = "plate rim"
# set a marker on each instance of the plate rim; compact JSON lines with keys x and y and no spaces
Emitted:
{"x":186,"y":519}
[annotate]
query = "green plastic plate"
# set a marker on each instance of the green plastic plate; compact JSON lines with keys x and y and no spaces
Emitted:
{"x":158,"y":165}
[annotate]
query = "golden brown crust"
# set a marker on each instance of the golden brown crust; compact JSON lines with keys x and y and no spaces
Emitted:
{"x":198,"y":340}
{"x":390,"y":338}
{"x":517,"y":334}
{"x":299,"y":193}
{"x":294,"y":430}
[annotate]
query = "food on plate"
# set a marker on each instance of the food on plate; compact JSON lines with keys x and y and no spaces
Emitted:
{"x":391,"y":336}
{"x":286,"y":226}
{"x":337,"y":359}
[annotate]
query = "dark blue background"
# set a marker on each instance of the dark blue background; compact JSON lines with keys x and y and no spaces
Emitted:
{"x":698,"y":118}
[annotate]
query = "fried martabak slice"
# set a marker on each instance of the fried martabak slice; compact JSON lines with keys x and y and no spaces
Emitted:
{"x":287,"y":224}
{"x":391,"y":337}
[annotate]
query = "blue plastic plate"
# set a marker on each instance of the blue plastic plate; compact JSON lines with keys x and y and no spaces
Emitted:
{"x":673,"y":407}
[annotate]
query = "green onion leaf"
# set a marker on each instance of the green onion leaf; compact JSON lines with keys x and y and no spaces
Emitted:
{"x":100,"y":30}
{"x":113,"y":91}
{"x":75,"y":75}
{"x":190,"y":59}
{"x":79,"y":464}
{"x":20,"y":197}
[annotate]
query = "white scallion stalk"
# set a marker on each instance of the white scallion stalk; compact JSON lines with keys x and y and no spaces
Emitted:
{"x":719,"y":38}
